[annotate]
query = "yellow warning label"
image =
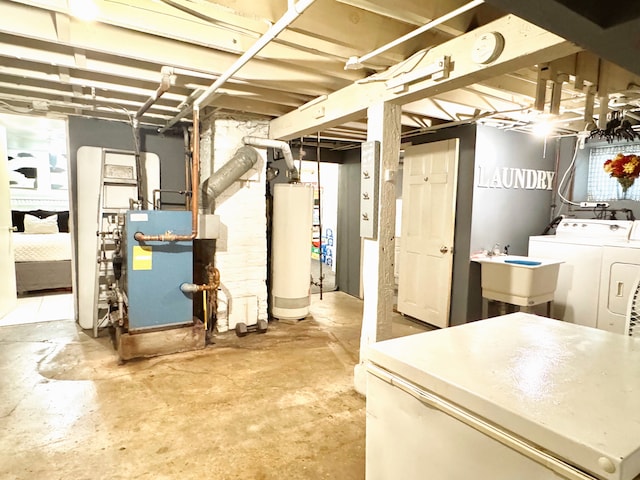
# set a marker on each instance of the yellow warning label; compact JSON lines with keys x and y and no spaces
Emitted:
{"x":142,"y":257}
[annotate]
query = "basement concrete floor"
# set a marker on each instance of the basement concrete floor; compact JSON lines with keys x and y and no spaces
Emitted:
{"x":274,"y":406}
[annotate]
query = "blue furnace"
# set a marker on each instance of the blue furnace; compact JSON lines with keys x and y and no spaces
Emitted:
{"x":155,"y":270}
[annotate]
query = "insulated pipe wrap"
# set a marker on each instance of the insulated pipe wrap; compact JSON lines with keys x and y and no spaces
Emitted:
{"x":241,"y":163}
{"x":280,"y":145}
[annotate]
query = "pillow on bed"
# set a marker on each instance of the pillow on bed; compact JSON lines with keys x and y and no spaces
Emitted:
{"x":34,"y":224}
{"x":17,"y":217}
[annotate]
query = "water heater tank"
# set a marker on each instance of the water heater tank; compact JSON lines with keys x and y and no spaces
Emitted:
{"x":291,"y":250}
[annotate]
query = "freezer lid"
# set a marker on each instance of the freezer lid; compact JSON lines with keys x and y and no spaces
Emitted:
{"x":573,"y":391}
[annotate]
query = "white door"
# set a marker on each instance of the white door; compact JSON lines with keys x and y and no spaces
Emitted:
{"x":7,"y":265}
{"x":428,"y":220}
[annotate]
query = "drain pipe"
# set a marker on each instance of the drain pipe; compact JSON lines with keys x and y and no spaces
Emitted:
{"x":290,"y":15}
{"x":356,"y":63}
{"x":294,"y":175}
{"x":293,"y":12}
{"x":165,"y":84}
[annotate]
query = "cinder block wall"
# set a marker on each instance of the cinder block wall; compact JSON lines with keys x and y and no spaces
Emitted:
{"x":241,"y":252}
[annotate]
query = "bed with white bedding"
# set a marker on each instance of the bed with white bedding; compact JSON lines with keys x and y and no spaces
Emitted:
{"x":42,"y":251}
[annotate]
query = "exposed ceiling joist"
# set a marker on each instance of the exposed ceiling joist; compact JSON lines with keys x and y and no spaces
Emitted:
{"x":109,"y":68}
{"x":525,"y":45}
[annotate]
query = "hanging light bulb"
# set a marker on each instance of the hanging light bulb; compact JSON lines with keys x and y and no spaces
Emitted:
{"x":83,"y":9}
{"x":542,"y":129}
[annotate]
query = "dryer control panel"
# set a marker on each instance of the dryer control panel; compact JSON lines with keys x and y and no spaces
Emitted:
{"x":601,"y":229}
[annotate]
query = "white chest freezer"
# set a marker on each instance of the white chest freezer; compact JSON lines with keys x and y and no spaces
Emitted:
{"x":517,"y":397}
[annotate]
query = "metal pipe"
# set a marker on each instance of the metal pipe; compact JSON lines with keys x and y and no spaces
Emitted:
{"x":280,"y":145}
{"x":214,"y":282}
{"x":195,"y":193}
{"x":187,"y":165}
{"x":290,"y":15}
{"x":165,"y":84}
{"x":319,"y":212}
{"x":176,"y":119}
{"x":244,"y":158}
{"x":120,"y":299}
{"x":195,"y":173}
{"x":157,"y":191}
{"x":355,"y":63}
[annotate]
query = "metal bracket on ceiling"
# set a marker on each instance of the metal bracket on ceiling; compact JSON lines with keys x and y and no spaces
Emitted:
{"x":438,"y":70}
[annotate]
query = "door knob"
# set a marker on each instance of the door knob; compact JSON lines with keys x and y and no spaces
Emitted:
{"x":444,"y":249}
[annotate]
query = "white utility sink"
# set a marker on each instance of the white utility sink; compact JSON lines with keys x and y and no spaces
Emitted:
{"x":523,"y":281}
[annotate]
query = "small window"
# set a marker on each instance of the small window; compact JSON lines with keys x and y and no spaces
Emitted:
{"x":602,"y":187}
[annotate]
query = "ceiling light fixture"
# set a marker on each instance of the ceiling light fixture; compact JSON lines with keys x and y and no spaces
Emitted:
{"x":85,"y":10}
{"x":542,"y":129}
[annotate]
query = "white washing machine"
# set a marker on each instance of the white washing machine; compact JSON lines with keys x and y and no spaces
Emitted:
{"x":580,"y":244}
{"x":620,"y":269}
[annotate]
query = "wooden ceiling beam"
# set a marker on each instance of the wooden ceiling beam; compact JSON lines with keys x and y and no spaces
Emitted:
{"x":525,"y":45}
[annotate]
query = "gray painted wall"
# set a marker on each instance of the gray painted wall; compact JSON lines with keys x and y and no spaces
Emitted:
{"x":508,"y":216}
{"x":460,"y":286}
{"x":118,"y":135}
{"x":348,"y":253}
{"x":485,"y":216}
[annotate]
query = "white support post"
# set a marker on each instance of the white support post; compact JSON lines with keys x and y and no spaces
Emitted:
{"x":377,"y":267}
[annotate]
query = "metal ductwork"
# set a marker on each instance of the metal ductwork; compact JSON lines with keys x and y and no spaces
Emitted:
{"x":294,"y":175}
{"x":244,"y":158}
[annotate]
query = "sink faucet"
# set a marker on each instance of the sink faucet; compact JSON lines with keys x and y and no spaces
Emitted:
{"x":496,"y":250}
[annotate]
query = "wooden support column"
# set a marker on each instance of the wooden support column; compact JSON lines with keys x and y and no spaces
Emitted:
{"x":378,"y":254}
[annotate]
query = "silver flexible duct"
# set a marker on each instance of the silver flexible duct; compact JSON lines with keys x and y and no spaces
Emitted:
{"x":244,"y":158}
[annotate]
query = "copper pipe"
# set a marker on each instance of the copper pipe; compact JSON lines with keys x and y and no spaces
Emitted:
{"x":195,"y":192}
{"x":195,"y":172}
{"x":214,"y":282}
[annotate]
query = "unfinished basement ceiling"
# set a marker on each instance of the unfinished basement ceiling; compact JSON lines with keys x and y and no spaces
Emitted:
{"x":54,"y":64}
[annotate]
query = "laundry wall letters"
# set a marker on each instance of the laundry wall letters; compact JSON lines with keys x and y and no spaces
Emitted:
{"x":514,"y":178}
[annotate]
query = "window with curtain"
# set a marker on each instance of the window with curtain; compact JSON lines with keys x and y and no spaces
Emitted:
{"x":602,"y":187}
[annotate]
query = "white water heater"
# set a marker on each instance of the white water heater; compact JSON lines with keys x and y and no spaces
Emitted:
{"x":291,"y":250}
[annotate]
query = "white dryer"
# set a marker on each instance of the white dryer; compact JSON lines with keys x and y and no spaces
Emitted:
{"x":580,"y":244}
{"x":620,"y":269}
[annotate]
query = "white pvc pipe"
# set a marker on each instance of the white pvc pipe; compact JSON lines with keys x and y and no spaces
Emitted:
{"x":280,"y":145}
{"x":291,"y":14}
{"x":424,"y":28}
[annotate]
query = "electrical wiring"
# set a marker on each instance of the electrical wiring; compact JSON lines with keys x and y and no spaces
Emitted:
{"x":131,"y":122}
{"x":570,"y":168}
{"x":12,"y":108}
